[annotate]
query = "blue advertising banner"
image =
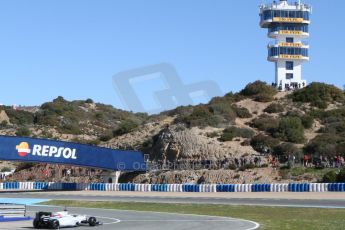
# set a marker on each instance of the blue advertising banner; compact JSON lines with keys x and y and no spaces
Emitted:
{"x":59,"y":152}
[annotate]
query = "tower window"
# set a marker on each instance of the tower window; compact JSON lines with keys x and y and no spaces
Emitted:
{"x":289,"y":65}
{"x":289,"y":40}
{"x":289,"y":76}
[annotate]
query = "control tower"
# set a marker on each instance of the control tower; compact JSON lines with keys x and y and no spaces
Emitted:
{"x":288,"y":24}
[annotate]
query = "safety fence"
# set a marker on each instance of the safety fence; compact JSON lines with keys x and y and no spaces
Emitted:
{"x":12,"y":212}
{"x":287,"y":187}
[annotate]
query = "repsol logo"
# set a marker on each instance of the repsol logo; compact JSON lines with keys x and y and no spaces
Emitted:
{"x":46,"y":151}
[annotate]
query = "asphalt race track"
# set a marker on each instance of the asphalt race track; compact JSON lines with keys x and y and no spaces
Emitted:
{"x":316,"y":203}
{"x":132,"y":220}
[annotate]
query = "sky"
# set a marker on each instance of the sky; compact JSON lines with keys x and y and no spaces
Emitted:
{"x":75,"y":48}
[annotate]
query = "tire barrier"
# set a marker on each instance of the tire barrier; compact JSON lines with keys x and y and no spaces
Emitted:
{"x":203,"y":188}
{"x":190,"y":188}
{"x":261,"y":188}
{"x":11,"y":186}
{"x":300,"y":187}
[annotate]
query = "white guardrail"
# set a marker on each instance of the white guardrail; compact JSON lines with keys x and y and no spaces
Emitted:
{"x":285,"y":187}
{"x":12,"y":210}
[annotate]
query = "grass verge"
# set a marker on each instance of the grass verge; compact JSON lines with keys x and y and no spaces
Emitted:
{"x":268,"y":217}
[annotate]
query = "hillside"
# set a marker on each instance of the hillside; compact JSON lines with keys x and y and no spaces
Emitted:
{"x":235,"y":138}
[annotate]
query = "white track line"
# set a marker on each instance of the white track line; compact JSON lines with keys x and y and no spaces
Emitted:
{"x":256,"y":225}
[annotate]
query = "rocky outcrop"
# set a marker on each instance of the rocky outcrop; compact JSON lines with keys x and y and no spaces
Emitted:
{"x":177,"y":142}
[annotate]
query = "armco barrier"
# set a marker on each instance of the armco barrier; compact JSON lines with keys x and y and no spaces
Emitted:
{"x":205,"y":188}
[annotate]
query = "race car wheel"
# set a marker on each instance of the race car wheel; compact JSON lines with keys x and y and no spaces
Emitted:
{"x":92,"y":221}
{"x":36,"y":224}
{"x":55,"y":224}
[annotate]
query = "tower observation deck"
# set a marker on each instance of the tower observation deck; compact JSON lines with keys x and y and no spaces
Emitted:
{"x":288,"y":24}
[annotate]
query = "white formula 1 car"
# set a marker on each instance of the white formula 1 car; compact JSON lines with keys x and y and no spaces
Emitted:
{"x":56,"y":220}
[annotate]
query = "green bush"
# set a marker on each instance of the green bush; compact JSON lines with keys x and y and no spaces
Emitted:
{"x":245,"y":167}
{"x":232,"y":132}
{"x":319,"y":95}
{"x":3,"y":124}
{"x":212,"y":134}
{"x":325,"y":145}
{"x":24,"y":165}
{"x":70,"y":128}
{"x":333,"y":120}
{"x":265,"y":123}
{"x":285,"y":149}
{"x":23,"y":132}
{"x":106,"y":137}
{"x":290,"y":129}
{"x":89,"y":101}
{"x":263,"y":143}
{"x":307,"y":121}
{"x":125,"y":127}
{"x":242,"y":112}
{"x":20,"y":117}
{"x":334,"y":127}
{"x":274,"y":108}
{"x":330,"y":177}
{"x":224,"y":110}
{"x":5,"y":169}
{"x":341,"y":176}
{"x":203,"y":116}
{"x":259,"y":91}
{"x":60,"y":110}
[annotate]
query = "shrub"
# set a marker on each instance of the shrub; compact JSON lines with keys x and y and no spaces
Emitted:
{"x":341,"y":176}
{"x":330,"y":177}
{"x":20,"y":117}
{"x":70,"y":128}
{"x":263,"y":143}
{"x":265,"y":123}
{"x":89,"y":101}
{"x":290,"y":129}
{"x":285,"y":149}
{"x":3,"y":124}
{"x":242,"y":112}
{"x":223,"y":110}
{"x":274,"y":108}
{"x":24,"y":165}
{"x":57,"y":111}
{"x":307,"y":121}
{"x":94,"y":142}
{"x":259,"y":91}
{"x":333,"y":120}
{"x":5,"y":169}
{"x":245,"y":167}
{"x":232,"y":167}
{"x":212,"y":134}
{"x":334,"y":127}
{"x":245,"y":142}
{"x":319,"y":95}
{"x":106,"y":137}
{"x":203,"y":116}
{"x":23,"y":132}
{"x":325,"y":144}
{"x":126,"y":126}
{"x":232,"y":132}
